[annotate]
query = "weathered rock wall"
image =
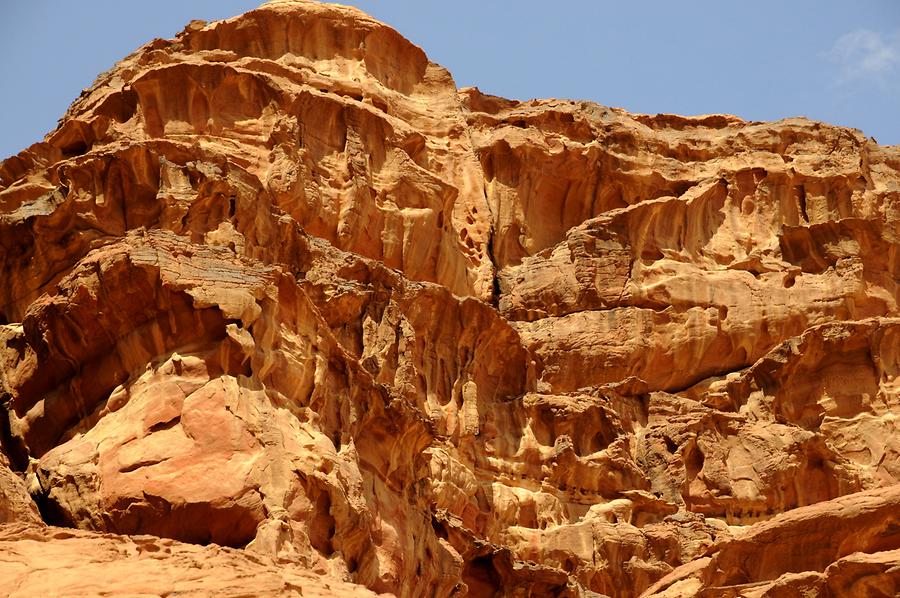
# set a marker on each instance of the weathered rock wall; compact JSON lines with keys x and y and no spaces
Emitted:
{"x":277,"y":285}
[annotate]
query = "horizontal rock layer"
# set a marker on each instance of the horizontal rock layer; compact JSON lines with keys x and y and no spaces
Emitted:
{"x":287,"y":312}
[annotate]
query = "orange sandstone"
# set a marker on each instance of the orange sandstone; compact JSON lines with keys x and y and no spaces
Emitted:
{"x":287,"y":313}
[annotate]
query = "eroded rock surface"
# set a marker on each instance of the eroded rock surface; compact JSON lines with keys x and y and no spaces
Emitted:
{"x":38,"y":561}
{"x":284,"y":307}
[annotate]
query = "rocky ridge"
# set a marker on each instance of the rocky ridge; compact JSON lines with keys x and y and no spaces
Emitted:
{"x":286,"y":312}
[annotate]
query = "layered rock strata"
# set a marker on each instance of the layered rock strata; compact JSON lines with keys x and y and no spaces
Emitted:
{"x":286,"y":312}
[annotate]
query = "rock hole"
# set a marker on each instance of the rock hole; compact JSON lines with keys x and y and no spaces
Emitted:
{"x":651,"y":254}
{"x":380,"y":104}
{"x":51,"y":512}
{"x":599,"y":442}
{"x":670,"y":445}
{"x":495,"y":290}
{"x":482,"y":500}
{"x":121,"y":107}
{"x":194,"y":176}
{"x":481,"y":576}
{"x":11,"y":446}
{"x":682,"y":187}
{"x":789,"y":280}
{"x":723,"y":312}
{"x":75,"y":149}
{"x":694,"y":461}
{"x":800,"y":194}
{"x":166,"y":425}
{"x":321,"y":528}
{"x":438,"y":527}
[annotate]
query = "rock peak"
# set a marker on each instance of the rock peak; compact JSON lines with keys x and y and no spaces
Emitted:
{"x":284,"y":308}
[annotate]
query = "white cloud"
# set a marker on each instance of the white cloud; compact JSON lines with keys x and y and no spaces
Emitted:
{"x":865,"y":54}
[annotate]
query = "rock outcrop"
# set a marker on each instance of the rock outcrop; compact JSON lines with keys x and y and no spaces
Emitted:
{"x":287,"y":313}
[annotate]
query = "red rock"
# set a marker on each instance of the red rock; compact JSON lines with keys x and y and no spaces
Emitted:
{"x":54,"y":562}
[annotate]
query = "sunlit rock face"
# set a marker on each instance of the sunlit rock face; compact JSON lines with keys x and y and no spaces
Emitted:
{"x":285,"y":312}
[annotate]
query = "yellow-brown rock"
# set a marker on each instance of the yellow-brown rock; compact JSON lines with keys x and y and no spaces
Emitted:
{"x":286,"y":313}
{"x":841,"y":547}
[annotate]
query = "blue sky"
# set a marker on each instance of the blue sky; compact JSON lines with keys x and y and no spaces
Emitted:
{"x":831,"y":60}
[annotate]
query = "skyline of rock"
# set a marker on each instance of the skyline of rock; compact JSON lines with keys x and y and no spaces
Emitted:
{"x":286,"y":309}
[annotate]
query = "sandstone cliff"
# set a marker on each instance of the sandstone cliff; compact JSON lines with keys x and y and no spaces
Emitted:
{"x":287,"y":313}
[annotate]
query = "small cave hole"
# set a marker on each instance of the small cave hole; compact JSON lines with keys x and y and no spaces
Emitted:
{"x":600,"y":441}
{"x":322,"y":527}
{"x":439,"y":529}
{"x":76,"y":148}
{"x":694,"y":461}
{"x":481,"y":576}
{"x":670,"y":445}
{"x":800,"y":194}
{"x":12,"y":447}
{"x":651,"y":254}
{"x":50,"y":511}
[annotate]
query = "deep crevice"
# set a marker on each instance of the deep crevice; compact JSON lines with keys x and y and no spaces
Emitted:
{"x":801,"y":202}
{"x":495,"y":282}
{"x":49,"y":510}
{"x":11,"y":446}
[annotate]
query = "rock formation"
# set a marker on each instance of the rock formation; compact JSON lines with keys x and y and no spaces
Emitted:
{"x":287,"y":313}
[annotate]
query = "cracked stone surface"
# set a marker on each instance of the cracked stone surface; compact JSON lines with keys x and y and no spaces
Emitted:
{"x":287,"y":313}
